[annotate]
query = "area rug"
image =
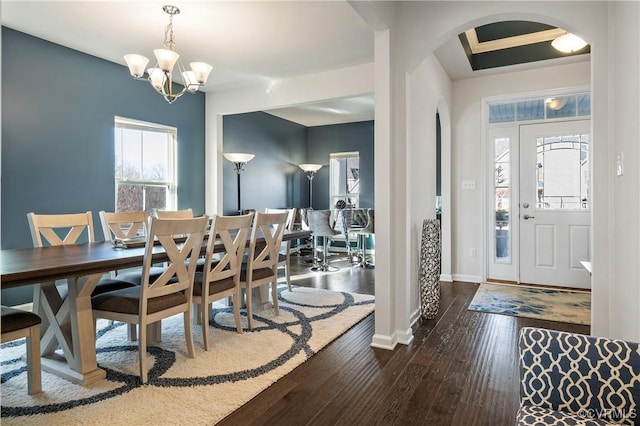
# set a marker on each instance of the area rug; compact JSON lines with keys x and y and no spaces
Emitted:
{"x":182,"y":390}
{"x":533,"y":302}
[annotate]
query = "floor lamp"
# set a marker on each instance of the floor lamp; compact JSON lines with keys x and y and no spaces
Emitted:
{"x":310,"y":170}
{"x":239,"y":160}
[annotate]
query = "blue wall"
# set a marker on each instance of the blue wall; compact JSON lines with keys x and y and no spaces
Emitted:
{"x":323,"y":140}
{"x":58,"y":108}
{"x":273,"y":178}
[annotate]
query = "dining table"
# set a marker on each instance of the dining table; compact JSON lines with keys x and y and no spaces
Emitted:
{"x":67,"y":332}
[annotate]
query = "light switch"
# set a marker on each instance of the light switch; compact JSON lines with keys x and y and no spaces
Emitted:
{"x":469,"y":184}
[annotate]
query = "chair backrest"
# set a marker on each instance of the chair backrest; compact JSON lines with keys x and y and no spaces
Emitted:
{"x":320,"y":223}
{"x":60,"y":229}
{"x":269,"y":226}
{"x":291,"y":216}
{"x":123,"y":224}
{"x":233,"y":231}
{"x":179,"y":274}
{"x":370,"y":227}
{"x":173,"y":214}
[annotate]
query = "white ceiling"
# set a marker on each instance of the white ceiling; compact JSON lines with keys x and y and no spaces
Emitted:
{"x":247,"y":42}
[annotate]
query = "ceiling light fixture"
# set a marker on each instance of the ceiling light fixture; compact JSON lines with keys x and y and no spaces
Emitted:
{"x":568,"y":43}
{"x":161,"y":75}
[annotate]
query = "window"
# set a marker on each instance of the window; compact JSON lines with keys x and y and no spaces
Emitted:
{"x":549,"y":108}
{"x":145,"y":165}
{"x":344,"y":170}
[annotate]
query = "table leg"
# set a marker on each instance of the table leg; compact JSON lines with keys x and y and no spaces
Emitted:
{"x":69,"y":323}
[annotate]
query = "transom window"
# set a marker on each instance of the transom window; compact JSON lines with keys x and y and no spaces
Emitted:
{"x":145,"y":165}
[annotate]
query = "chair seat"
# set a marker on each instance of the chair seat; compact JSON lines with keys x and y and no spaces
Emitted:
{"x":258,"y":274}
{"x":214,"y":287}
{"x":106,"y":285}
{"x":127,"y":301}
{"x":135,"y":277}
{"x":17,"y":319}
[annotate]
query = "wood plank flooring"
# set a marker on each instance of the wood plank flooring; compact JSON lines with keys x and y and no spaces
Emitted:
{"x":461,"y":368}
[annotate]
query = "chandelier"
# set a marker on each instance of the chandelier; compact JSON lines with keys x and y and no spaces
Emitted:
{"x":161,"y":76}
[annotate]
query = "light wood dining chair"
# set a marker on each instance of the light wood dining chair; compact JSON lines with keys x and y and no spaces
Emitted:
{"x":168,"y":295}
{"x":284,"y":257}
{"x":222,"y":278}
{"x":17,"y":324}
{"x":173,"y":214}
{"x":62,"y":229}
{"x":261,"y":267}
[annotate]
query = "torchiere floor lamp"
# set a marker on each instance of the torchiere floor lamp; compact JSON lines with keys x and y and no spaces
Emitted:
{"x":310,"y":170}
{"x":239,"y":160}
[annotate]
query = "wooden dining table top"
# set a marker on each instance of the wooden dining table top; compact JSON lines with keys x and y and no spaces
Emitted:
{"x":19,"y":267}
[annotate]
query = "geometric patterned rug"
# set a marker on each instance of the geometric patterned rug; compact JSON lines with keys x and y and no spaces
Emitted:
{"x":182,"y":390}
{"x":569,"y":306}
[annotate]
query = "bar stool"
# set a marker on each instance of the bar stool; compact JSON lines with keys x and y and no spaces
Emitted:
{"x":369,"y":229}
{"x":17,"y":324}
{"x":320,"y":225}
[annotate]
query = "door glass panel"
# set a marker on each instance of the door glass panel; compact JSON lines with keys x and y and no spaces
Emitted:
{"x":562,"y":172}
{"x":502,"y":184}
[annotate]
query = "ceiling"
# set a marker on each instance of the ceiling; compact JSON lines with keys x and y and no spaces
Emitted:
{"x":247,"y":42}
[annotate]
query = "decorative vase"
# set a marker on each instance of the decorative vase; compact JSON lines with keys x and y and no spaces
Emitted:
{"x":429,"y":274}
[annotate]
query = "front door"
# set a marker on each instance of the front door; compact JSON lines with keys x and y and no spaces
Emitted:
{"x":554,"y":204}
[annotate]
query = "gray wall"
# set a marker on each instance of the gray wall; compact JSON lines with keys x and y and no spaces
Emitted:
{"x":273,"y":178}
{"x":58,"y":108}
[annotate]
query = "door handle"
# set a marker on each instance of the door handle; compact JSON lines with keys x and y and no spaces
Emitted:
{"x":526,"y":216}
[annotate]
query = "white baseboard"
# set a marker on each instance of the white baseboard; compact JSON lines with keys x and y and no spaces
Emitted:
{"x":405,"y":337}
{"x":384,"y":342}
{"x":415,"y":316}
{"x":467,"y":278}
{"x":446,"y":277}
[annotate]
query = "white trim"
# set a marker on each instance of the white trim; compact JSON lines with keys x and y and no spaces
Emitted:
{"x":467,"y":278}
{"x":405,"y":337}
{"x":446,"y":277}
{"x":508,"y":42}
{"x":414,"y":317}
{"x":384,"y":342}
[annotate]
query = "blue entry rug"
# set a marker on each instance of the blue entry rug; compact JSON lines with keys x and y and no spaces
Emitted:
{"x":569,"y":306}
{"x":183,"y":390}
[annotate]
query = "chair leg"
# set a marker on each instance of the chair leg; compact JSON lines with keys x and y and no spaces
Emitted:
{"x":287,"y":274}
{"x":142,"y":352}
{"x":204,"y":315}
{"x":236,"y":312}
{"x":274,"y":296}
{"x":188,"y":333}
{"x":249,"y":307}
{"x":131,"y":332}
{"x":34,"y":368}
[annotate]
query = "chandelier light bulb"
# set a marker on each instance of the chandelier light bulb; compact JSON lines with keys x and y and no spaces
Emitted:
{"x":136,"y":64}
{"x":201,"y":71}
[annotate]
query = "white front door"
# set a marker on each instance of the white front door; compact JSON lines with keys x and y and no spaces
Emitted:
{"x":554,"y":203}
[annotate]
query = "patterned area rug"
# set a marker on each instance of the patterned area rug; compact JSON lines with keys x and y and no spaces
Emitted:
{"x":182,"y":390}
{"x":533,"y":302}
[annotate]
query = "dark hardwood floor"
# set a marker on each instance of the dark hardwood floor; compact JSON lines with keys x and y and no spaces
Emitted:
{"x":460,"y":369}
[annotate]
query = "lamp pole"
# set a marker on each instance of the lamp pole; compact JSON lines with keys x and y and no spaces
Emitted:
{"x":239,"y":160}
{"x":310,"y":170}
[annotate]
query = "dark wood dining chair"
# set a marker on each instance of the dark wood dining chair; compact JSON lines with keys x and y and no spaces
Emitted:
{"x":170,"y":294}
{"x":222,"y":278}
{"x":261,"y":266}
{"x":17,"y":324}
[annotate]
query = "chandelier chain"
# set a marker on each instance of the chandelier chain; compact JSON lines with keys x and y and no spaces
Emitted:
{"x":169,"y":41}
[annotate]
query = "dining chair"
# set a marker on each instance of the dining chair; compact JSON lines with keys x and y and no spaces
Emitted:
{"x":284,"y":256}
{"x":122,"y":225}
{"x":17,"y":324}
{"x":222,"y":278}
{"x":173,"y":214}
{"x":170,"y":294}
{"x":62,"y":229}
{"x":320,"y":224}
{"x":261,"y":266}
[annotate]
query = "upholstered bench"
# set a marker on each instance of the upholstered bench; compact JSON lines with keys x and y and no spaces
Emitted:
{"x":572,"y":379}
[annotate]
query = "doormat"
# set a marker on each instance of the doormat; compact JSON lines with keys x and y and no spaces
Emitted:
{"x":569,"y":306}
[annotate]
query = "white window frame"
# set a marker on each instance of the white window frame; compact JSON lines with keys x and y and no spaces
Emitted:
{"x":335,"y":196}
{"x":171,"y":183}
